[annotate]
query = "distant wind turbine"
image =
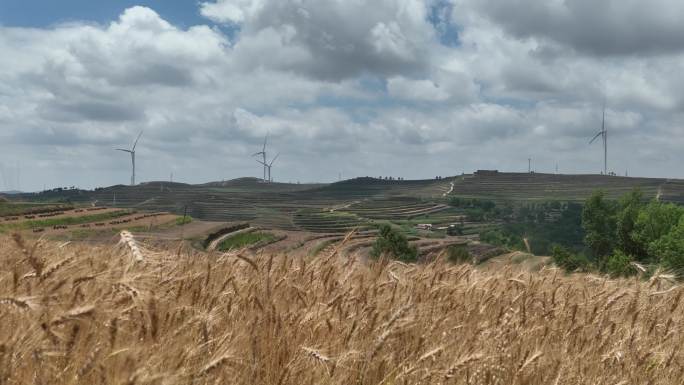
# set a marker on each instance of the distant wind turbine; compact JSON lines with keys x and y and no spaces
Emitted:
{"x":263,"y":156}
{"x":604,"y":136}
{"x":268,"y":166}
{"x":132,"y":152}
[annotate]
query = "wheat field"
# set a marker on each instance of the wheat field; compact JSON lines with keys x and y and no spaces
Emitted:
{"x":138,"y":314}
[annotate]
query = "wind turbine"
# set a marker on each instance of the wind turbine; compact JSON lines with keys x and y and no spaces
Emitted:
{"x":604,"y":136}
{"x":263,"y":156}
{"x":268,"y":166}
{"x":132,"y":152}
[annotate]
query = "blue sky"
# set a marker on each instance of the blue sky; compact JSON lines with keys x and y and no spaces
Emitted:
{"x":41,"y":13}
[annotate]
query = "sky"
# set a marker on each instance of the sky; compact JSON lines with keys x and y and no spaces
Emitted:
{"x":404,"y":88}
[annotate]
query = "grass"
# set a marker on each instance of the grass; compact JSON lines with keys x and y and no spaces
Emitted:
{"x":246,"y":239}
{"x":66,"y":221}
{"x":180,"y":221}
{"x":321,"y":246}
{"x":81,"y":314}
{"x":21,"y":208}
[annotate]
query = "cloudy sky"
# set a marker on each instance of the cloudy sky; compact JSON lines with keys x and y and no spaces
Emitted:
{"x":412,"y":88}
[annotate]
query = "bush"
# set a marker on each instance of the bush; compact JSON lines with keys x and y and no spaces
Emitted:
{"x":180,"y":221}
{"x":454,"y":230}
{"x":670,"y":249}
{"x":569,"y":261}
{"x":458,"y":254}
{"x":619,"y":265}
{"x":393,"y":243}
{"x":655,"y":222}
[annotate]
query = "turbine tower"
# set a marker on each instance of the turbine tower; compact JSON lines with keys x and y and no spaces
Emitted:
{"x":268,"y":166}
{"x":263,"y":156}
{"x":604,"y":136}
{"x":132,"y":152}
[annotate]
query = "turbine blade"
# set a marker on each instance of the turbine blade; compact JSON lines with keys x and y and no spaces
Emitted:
{"x":124,"y":150}
{"x":273,"y":160}
{"x":136,"y":140}
{"x":596,"y":137}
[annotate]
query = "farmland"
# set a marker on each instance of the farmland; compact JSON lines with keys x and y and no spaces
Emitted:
{"x":362,"y":204}
{"x":136,"y":313}
{"x":340,"y":206}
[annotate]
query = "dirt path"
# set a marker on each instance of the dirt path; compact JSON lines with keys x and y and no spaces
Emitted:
{"x":451,"y":189}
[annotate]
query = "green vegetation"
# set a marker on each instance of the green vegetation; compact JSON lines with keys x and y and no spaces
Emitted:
{"x":544,"y":225}
{"x":180,"y":221}
{"x":21,"y":208}
{"x":570,"y":261}
{"x":65,"y":221}
{"x":321,"y":246}
{"x":478,"y":210}
{"x":621,"y":233}
{"x":458,"y":253}
{"x":246,"y":239}
{"x":393,"y":243}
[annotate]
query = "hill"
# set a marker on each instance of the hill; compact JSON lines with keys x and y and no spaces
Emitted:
{"x":337,"y":206}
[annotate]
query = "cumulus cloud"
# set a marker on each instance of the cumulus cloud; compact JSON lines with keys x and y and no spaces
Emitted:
{"x":331,"y":39}
{"x":601,"y":28}
{"x":412,"y":88}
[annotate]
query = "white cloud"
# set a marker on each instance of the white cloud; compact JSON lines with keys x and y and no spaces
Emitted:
{"x":354,"y":86}
{"x":402,"y":88}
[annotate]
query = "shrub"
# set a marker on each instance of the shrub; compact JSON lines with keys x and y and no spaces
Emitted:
{"x":569,"y":261}
{"x":654,"y":222}
{"x":670,"y":249}
{"x":393,"y":243}
{"x":619,"y":264}
{"x":180,"y":221}
{"x":458,"y":254}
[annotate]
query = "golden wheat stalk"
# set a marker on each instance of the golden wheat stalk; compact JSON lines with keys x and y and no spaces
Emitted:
{"x":128,"y":240}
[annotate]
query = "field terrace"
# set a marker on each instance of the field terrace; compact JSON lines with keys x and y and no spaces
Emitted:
{"x":534,"y":186}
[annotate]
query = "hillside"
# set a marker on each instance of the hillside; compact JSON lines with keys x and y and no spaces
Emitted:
{"x":355,"y":202}
{"x":524,"y":186}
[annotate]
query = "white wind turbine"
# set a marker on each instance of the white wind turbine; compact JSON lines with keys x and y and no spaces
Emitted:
{"x":263,"y":156}
{"x":132,"y":152}
{"x":604,"y":136}
{"x":269,"y":165}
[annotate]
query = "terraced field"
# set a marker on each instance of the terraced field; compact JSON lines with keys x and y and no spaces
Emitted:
{"x":338,"y":207}
{"x":397,"y":208}
{"x":319,"y":221}
{"x":524,"y":186}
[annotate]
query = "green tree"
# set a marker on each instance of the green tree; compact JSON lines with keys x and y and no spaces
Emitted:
{"x":655,"y":221}
{"x":393,"y":243}
{"x":670,"y":249}
{"x":630,"y":206}
{"x":600,"y":224}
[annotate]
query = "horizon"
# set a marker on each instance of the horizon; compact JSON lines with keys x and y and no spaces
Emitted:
{"x":410,"y":88}
{"x":259,"y":180}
